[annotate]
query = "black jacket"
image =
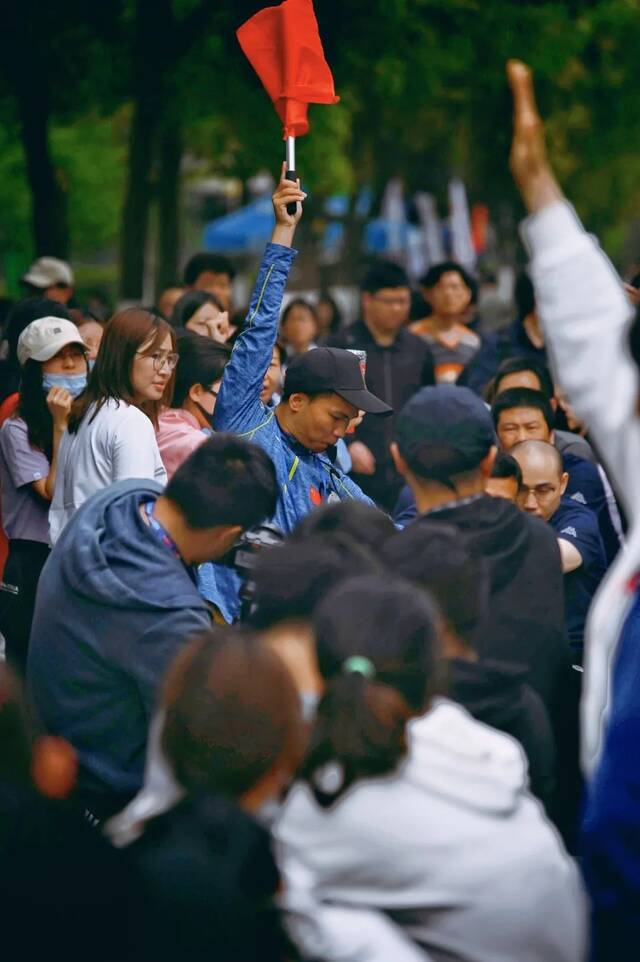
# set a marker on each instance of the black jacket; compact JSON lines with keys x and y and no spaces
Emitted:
{"x":203,"y":880}
{"x":525,"y":623}
{"x":394,"y":373}
{"x":496,"y":693}
{"x":63,"y":889}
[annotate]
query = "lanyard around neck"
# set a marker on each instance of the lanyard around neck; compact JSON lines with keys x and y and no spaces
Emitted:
{"x":159,"y":530}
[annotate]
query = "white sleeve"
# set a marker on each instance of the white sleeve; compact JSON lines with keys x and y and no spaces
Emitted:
{"x":134,"y":448}
{"x":586,"y":317}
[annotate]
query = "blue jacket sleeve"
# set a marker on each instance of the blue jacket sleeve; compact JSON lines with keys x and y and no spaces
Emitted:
{"x":238,"y":407}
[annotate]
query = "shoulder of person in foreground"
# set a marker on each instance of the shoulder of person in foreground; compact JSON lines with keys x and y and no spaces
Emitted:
{"x":238,"y":407}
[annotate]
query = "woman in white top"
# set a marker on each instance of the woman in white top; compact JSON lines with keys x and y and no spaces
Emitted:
{"x":111,"y":432}
{"x":410,"y":810}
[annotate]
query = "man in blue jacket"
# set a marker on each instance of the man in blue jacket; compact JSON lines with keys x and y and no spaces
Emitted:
{"x":324,"y":390}
{"x":117,"y":600}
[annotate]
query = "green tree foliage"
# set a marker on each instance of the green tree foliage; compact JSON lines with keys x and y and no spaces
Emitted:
{"x":422,"y":92}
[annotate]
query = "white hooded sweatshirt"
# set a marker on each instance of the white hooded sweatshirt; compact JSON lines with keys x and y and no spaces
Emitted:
{"x":451,"y":848}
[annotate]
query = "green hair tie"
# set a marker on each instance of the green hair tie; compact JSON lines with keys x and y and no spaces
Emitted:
{"x":360,"y":664}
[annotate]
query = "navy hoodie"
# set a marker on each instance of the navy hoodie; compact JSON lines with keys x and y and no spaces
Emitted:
{"x":114,"y":606}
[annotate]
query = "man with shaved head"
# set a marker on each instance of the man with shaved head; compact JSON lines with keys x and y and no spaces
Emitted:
{"x":544,"y":482}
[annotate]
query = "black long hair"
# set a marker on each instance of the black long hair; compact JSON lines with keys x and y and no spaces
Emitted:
{"x":360,"y":729}
{"x":33,"y":408}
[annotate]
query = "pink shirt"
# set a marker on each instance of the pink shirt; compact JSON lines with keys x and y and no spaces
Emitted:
{"x":178,"y":435}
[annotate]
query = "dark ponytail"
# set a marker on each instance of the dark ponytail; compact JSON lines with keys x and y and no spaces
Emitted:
{"x":378,"y":653}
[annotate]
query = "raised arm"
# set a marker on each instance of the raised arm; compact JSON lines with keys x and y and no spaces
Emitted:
{"x":238,"y":407}
{"x":580,"y":299}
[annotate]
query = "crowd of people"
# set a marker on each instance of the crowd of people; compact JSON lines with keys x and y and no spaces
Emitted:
{"x":299,"y":616}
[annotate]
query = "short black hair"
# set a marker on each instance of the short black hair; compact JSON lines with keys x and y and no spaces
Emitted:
{"x":190,"y":302}
{"x":282,"y":354}
{"x":364,"y":523}
{"x":514,"y":365}
{"x":200,"y":263}
{"x":292,"y":579}
{"x":506,"y":466}
{"x":383,"y":274}
{"x":226,"y":481}
{"x":298,"y":302}
{"x":434,"y":274}
{"x":202,"y":361}
{"x":437,"y":557}
{"x":232,"y":710}
{"x":522,"y":397}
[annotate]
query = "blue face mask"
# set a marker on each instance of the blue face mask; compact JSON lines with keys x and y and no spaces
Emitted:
{"x":90,"y":363}
{"x":74,"y":383}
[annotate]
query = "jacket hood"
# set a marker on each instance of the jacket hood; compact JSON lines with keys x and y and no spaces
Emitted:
{"x":490,"y":690}
{"x":453,"y":755}
{"x":496,"y":529}
{"x":109,"y":555}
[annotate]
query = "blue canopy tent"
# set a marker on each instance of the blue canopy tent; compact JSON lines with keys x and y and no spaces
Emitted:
{"x":244,"y":231}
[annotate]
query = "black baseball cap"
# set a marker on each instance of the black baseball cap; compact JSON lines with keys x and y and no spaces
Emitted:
{"x":443,"y":431}
{"x":332,"y":370}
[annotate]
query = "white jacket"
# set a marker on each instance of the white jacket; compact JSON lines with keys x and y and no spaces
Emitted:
{"x":586,"y":317}
{"x":451,"y":848}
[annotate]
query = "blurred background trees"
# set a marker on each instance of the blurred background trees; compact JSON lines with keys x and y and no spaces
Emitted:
{"x":108,"y":110}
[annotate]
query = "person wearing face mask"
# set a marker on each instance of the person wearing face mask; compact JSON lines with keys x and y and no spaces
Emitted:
{"x":186,"y":424}
{"x":201,"y":312}
{"x":54,"y":371}
{"x":111,"y":430}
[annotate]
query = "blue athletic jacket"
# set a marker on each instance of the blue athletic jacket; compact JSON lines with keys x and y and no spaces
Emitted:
{"x":305,"y":479}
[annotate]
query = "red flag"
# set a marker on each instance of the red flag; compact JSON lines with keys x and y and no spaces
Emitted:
{"x":284,"y":48}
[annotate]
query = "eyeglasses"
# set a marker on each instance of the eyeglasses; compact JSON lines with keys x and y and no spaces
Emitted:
{"x":541,"y":492}
{"x":160,"y":358}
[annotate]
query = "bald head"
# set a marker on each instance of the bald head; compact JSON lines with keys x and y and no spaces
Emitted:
{"x":543,"y":478}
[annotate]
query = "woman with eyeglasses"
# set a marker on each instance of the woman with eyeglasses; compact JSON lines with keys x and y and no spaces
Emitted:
{"x":187,"y":423}
{"x":111,"y":432}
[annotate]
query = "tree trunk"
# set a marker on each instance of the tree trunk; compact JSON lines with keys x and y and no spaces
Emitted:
{"x":48,"y":198}
{"x":171,"y":147}
{"x":135,"y":216}
{"x":152,"y":29}
{"x":28,"y":79}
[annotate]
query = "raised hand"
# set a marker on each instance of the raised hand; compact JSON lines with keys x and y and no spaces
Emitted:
{"x":219,"y":328}
{"x":286,"y":193}
{"x":528,"y":161}
{"x":59,"y":403}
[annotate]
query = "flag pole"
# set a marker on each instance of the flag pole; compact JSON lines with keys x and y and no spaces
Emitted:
{"x":291,"y":168}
